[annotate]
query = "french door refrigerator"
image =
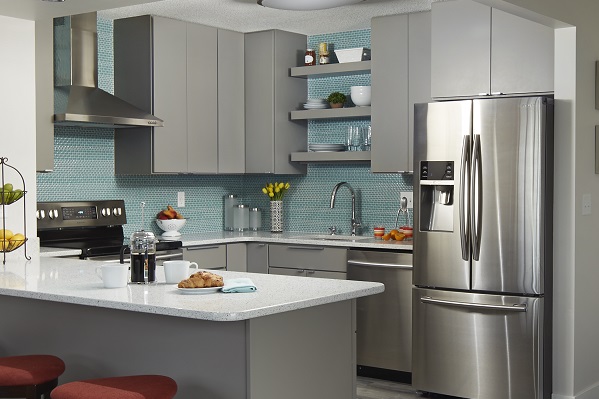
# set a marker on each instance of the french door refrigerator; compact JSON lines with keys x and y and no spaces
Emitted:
{"x":483,"y":248}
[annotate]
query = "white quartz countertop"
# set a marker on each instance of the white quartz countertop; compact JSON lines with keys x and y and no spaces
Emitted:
{"x":224,"y":237}
{"x":75,"y":281}
{"x":296,"y":238}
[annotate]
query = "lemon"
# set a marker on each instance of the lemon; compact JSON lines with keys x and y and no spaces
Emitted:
{"x":6,"y":234}
{"x":17,"y":237}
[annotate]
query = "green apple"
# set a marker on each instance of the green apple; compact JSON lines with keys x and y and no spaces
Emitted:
{"x":7,"y":187}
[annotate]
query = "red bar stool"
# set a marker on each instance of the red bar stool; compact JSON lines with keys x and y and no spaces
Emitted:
{"x":128,"y":387}
{"x":29,"y":376}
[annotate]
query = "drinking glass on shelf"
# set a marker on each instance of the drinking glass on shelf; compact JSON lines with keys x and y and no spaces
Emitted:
{"x":366,"y":137}
{"x":354,"y":138}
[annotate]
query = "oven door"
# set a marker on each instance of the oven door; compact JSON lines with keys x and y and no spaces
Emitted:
{"x":161,"y":256}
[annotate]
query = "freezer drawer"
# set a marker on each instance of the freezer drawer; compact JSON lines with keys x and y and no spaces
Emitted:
{"x":479,"y":346}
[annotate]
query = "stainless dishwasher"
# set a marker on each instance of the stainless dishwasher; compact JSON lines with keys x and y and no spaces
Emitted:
{"x":384,"y":321}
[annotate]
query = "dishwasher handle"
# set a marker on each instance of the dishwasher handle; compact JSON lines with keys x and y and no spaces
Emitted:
{"x":378,"y":264}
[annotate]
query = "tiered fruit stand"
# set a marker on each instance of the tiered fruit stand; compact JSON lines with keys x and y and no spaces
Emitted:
{"x":7,"y":198}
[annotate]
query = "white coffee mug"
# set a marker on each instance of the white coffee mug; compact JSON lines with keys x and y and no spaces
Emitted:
{"x":114,"y":275}
{"x":177,"y":270}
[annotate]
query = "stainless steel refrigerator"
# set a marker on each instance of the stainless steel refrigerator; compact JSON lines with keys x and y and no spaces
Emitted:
{"x":483,"y":184}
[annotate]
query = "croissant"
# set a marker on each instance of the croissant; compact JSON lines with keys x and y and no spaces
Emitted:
{"x":202,"y":280}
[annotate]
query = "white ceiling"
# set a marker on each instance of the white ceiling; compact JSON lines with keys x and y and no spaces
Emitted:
{"x":247,"y":16}
{"x":237,"y":15}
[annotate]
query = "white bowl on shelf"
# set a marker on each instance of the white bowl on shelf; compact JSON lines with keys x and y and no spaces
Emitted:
{"x":171,"y":227}
{"x":360,"y":95}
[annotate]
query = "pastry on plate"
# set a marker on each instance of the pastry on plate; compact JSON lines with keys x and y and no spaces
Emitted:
{"x":202,"y":279}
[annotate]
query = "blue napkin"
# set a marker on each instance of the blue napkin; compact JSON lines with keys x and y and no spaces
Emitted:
{"x":239,"y":285}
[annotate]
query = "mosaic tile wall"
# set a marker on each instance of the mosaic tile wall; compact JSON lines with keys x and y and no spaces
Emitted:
{"x":84,"y":170}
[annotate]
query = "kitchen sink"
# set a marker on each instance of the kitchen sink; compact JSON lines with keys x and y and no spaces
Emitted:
{"x":336,"y":237}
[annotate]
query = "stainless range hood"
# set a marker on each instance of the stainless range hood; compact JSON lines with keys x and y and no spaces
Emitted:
{"x":77,"y":99}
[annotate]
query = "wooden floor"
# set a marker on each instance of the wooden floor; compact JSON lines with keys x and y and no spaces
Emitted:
{"x":369,"y":388}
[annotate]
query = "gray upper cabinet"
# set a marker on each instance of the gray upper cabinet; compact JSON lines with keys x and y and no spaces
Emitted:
{"x":269,"y":95}
{"x":44,"y":95}
{"x":478,"y":51}
{"x":231,"y":104}
{"x":400,"y":77}
{"x":170,"y":68}
{"x":517,"y":65}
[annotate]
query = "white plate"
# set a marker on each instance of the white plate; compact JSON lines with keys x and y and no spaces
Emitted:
{"x":199,"y":291}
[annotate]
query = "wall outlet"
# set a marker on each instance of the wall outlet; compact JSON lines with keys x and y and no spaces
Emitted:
{"x":586,"y":204}
{"x":181,"y":199}
{"x":409,"y":195}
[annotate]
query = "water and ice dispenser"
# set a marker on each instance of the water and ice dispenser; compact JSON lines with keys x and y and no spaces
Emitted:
{"x":436,"y":196}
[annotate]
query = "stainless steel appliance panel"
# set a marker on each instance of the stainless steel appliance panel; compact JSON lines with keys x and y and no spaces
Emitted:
{"x":442,"y":134}
{"x":509,"y":195}
{"x":384,"y":321}
{"x":478,"y":346}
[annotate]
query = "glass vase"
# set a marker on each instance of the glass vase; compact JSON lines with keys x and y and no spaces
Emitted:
{"x":276,"y":216}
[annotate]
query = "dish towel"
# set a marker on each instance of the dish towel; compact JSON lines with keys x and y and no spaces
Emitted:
{"x":239,"y":285}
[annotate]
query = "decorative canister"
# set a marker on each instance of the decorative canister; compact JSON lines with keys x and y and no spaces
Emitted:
{"x":310,"y":57}
{"x":241,"y":217}
{"x":230,"y":201}
{"x":255,"y":219}
{"x":276,"y":216}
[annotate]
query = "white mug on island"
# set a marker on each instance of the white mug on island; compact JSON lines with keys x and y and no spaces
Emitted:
{"x":114,"y":275}
{"x":177,"y":270}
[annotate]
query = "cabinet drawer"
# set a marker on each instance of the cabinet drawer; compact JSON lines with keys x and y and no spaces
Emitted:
{"x":308,"y":257}
{"x":207,"y":257}
{"x":283,"y":271}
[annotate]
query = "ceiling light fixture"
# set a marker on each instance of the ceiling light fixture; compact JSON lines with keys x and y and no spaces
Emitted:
{"x":305,"y":5}
{"x":54,"y":1}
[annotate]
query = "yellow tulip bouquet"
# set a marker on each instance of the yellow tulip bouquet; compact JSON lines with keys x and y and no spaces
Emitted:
{"x":275,"y":191}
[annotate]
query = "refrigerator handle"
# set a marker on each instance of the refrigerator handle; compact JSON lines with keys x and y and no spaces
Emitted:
{"x":464,"y":214}
{"x":476,"y":199}
{"x":473,"y":305}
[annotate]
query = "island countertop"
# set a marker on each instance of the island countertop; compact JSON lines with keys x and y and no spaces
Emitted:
{"x":76,"y":282}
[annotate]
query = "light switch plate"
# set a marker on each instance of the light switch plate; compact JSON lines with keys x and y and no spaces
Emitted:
{"x":410,"y":196}
{"x":181,"y":199}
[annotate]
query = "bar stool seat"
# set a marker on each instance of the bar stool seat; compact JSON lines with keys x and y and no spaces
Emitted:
{"x":29,"y":376}
{"x":128,"y":387}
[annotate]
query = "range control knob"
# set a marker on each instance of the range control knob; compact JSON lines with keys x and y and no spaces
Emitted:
{"x":40,"y":214}
{"x":53,"y":213}
{"x":117,"y":211}
{"x":105,"y":212}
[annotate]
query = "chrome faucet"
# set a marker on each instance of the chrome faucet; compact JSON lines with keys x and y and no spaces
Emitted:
{"x":354,"y":222}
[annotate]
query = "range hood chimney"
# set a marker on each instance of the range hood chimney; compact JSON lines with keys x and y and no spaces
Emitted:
{"x":77,"y":99}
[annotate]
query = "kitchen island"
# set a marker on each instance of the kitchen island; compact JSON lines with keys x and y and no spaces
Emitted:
{"x":292,"y":338}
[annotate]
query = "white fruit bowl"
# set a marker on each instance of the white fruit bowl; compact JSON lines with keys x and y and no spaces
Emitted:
{"x":171,"y":227}
{"x":360,"y":95}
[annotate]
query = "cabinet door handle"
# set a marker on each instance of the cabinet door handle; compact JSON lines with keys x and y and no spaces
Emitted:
{"x":379,"y":264}
{"x":301,"y":271}
{"x":310,"y":271}
{"x":306,"y":248}
{"x":202,"y":247}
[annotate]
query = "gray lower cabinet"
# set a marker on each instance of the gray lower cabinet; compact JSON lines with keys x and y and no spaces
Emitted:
{"x":400,"y":78}
{"x":257,"y":257}
{"x":478,"y":50}
{"x":269,"y":95}
{"x":171,"y":69}
{"x":307,"y":261}
{"x":207,"y":256}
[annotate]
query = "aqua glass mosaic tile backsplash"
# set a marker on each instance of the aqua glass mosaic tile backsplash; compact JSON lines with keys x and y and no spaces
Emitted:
{"x":84,"y":170}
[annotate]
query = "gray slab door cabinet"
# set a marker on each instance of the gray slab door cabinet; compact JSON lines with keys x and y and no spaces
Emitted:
{"x":170,"y":68}
{"x":400,"y":78}
{"x":482,"y":51}
{"x":270,"y":93}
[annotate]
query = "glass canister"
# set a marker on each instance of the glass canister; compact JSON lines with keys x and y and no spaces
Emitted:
{"x":241,"y":217}
{"x":255,"y":219}
{"x":143,"y":257}
{"x":230,"y":200}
